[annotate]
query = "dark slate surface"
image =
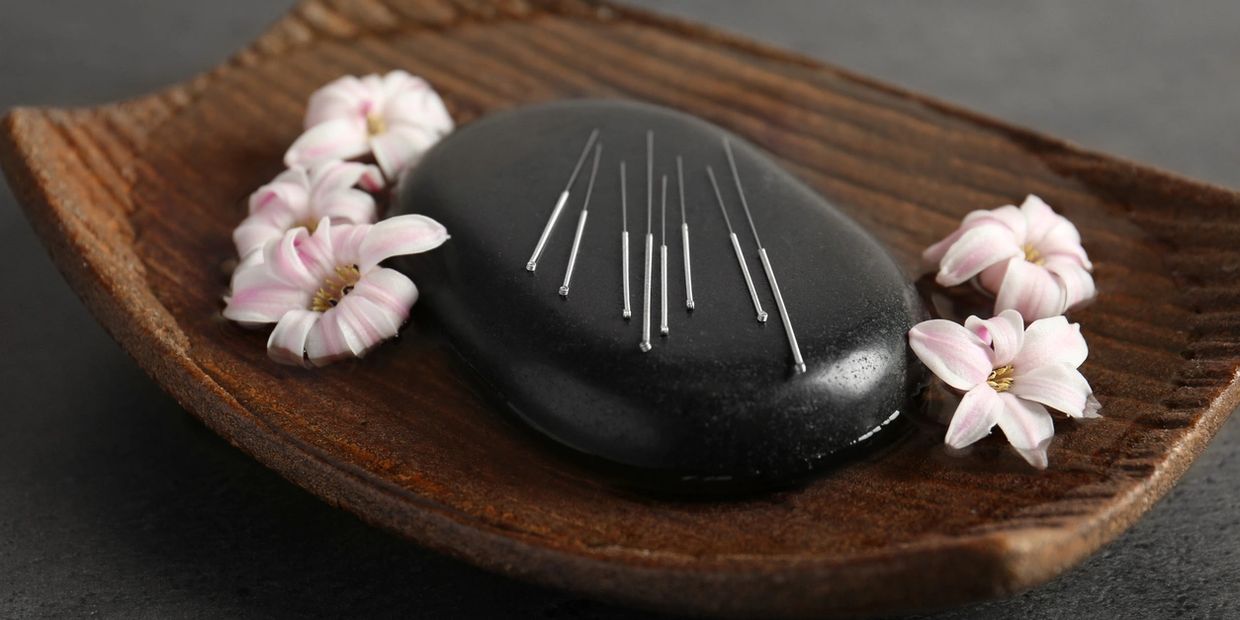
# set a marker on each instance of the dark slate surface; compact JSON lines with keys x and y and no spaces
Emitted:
{"x":115,"y":502}
{"x":716,"y":401}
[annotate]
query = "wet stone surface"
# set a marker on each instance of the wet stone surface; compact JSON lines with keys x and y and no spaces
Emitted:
{"x":715,"y":399}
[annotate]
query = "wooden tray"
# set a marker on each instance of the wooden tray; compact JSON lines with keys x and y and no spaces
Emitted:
{"x":136,"y":200}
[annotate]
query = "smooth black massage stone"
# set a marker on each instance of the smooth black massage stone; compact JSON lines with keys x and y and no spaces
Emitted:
{"x":716,"y":399}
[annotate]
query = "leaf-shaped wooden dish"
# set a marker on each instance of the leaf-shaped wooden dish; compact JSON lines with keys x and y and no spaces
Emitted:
{"x":136,"y":201}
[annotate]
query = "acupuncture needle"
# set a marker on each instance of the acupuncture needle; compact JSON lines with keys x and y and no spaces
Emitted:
{"x":581,"y":223}
{"x":645,"y":343}
{"x":736,"y":248}
{"x":799,"y":362}
{"x":559,"y":204}
{"x":684,"y":233}
{"x":624,"y":241}
{"x":663,"y":326}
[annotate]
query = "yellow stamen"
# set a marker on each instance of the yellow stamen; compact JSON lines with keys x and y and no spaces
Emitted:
{"x":1000,"y":379}
{"x":1032,"y":255}
{"x":335,"y":287}
{"x":375,"y":124}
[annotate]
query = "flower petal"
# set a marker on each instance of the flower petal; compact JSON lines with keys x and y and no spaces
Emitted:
{"x":365,"y":324}
{"x":1028,"y":427}
{"x":991,"y":278}
{"x":326,"y":342}
{"x":1059,"y":386}
{"x":316,"y":252}
{"x":933,"y":254}
{"x":1030,"y":290}
{"x":388,"y":289}
{"x":296,"y":175}
{"x":953,"y":353}
{"x":1063,"y":239}
{"x":976,"y":250}
{"x":401,"y":146}
{"x":398,"y":81}
{"x":1051,"y":341}
{"x":351,"y":329}
{"x":252,"y":271}
{"x":1004,"y":334}
{"x":287,"y":343}
{"x":256,"y":230}
{"x":421,"y":108}
{"x":281,"y":195}
{"x":1040,"y":218}
{"x":976,"y":414}
{"x":258,"y":305}
{"x":396,"y":236}
{"x":335,"y":176}
{"x":347,"y":242}
{"x":340,"y":98}
{"x":352,"y":206}
{"x":1008,"y":216}
{"x":1077,"y":284}
{"x":283,"y":262}
{"x":342,"y":138}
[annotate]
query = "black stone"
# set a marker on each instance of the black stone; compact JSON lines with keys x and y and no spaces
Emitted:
{"x":717,"y":398}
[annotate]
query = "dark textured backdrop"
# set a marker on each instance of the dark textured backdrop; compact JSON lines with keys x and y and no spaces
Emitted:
{"x":114,"y":501}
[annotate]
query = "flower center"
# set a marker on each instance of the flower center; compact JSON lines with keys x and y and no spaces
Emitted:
{"x":335,"y":287}
{"x":1000,"y":379}
{"x":375,"y":124}
{"x":1032,"y":255}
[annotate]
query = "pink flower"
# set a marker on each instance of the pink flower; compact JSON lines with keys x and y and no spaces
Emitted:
{"x":1009,"y":375}
{"x":1030,"y":258}
{"x":397,"y":117}
{"x":326,"y":292}
{"x":301,"y":197}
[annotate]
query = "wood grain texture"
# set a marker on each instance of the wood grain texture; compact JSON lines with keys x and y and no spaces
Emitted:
{"x":136,"y":202}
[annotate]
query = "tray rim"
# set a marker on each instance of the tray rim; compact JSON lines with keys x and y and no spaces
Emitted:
{"x":132,"y":321}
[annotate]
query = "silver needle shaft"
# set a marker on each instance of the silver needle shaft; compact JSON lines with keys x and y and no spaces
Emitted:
{"x":624,"y":241}
{"x":797,"y":360}
{"x":736,"y":248}
{"x":581,"y":223}
{"x":559,"y":204}
{"x":663,"y":326}
{"x":645,"y":343}
{"x":684,"y":233}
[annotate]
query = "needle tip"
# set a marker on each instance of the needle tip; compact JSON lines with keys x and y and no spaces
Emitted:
{"x":689,"y":304}
{"x":564,"y":291}
{"x":645,"y":346}
{"x":530,"y":266}
{"x":761,"y":317}
{"x":800,"y":368}
{"x":628,"y":314}
{"x":663,"y":331}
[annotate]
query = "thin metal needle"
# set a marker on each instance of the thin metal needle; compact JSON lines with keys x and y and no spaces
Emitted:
{"x":663,"y":326}
{"x":581,"y":223}
{"x":684,"y":234}
{"x":645,"y":343}
{"x":798,"y":361}
{"x":559,"y":204}
{"x":736,"y":248}
{"x":624,"y":241}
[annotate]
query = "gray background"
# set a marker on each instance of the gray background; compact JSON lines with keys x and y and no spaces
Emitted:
{"x":114,"y":501}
